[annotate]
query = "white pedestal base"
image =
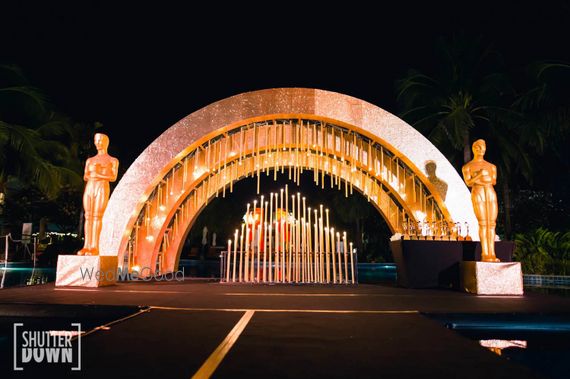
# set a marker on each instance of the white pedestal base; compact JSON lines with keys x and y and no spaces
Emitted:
{"x":488,"y":278}
{"x":86,"y":271}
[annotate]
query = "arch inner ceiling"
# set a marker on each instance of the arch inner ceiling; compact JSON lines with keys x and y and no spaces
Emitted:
{"x":338,"y":156}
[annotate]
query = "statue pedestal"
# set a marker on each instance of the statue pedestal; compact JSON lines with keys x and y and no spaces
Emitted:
{"x":488,"y":278}
{"x":86,"y":271}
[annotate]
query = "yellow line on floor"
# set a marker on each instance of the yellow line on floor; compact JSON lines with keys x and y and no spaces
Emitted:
{"x":218,"y":355}
{"x":350,"y":311}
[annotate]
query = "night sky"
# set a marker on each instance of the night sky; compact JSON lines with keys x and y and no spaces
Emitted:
{"x":140,"y":68}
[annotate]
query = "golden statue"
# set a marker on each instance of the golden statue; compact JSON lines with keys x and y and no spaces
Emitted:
{"x":481,"y":176}
{"x":99,"y":171}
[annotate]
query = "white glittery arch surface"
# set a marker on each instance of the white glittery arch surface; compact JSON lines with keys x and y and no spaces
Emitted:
{"x":407,"y":141}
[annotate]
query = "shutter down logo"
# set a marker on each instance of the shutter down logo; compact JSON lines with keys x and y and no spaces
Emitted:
{"x":52,"y":347}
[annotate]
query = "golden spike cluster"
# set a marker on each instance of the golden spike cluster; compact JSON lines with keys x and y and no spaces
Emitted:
{"x":278,"y":245}
{"x":286,"y":146}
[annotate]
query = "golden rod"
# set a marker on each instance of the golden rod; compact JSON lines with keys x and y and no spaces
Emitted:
{"x":333,"y":255}
{"x":235,"y":253}
{"x":228,"y":258}
{"x":264,"y":278}
{"x":346,"y":263}
{"x":270,"y":268}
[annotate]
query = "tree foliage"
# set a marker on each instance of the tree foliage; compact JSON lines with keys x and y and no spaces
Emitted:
{"x":543,"y":252}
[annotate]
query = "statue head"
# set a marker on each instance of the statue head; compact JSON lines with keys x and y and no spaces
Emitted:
{"x":101,"y":141}
{"x":479,"y":147}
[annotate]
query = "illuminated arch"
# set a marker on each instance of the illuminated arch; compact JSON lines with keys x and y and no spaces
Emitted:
{"x":349,"y":141}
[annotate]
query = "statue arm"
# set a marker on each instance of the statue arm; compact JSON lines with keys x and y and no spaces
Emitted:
{"x":114,"y":170}
{"x":469,"y":180}
{"x":494,"y":175}
{"x":110,"y":177}
{"x":86,"y":175}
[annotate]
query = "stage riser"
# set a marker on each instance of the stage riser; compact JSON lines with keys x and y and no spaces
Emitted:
{"x":431,"y":264}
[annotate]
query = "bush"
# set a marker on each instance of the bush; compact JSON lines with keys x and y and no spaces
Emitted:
{"x":543,"y":252}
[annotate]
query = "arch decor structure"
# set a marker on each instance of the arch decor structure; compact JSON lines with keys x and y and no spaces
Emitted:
{"x":345,"y":142}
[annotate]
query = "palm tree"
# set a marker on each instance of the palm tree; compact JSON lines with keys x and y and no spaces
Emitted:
{"x":464,"y":95}
{"x":31,"y":151}
{"x":545,"y":103}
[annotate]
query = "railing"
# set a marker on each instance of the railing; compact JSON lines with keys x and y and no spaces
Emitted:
{"x":289,"y":267}
{"x":7,"y":239}
{"x":556,"y":281}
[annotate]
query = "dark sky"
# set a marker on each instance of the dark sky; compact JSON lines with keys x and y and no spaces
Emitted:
{"x":140,"y":68}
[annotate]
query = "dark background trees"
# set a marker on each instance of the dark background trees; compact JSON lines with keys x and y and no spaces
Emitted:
{"x":495,"y":70}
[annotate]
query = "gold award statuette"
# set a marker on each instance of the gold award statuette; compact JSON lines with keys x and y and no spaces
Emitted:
{"x":481,"y":176}
{"x":99,"y":171}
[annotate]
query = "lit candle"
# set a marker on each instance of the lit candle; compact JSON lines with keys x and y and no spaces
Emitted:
{"x":307,"y":265}
{"x":277,"y":244}
{"x":271,"y":209}
{"x":259,"y":234}
{"x":352,"y":263}
{"x":321,"y":246}
{"x":309,"y":245}
{"x":346,"y":263}
{"x":235,"y":255}
{"x":305,"y":209}
{"x":321,"y":242}
{"x":316,"y":236}
{"x":261,"y":216}
{"x":316,"y":251}
{"x":228,"y":256}
{"x":264,"y":250}
{"x":339,"y":248}
{"x":290,"y":259}
{"x":333,"y":255}
{"x":345,"y":247}
{"x":247,"y":221}
{"x":287,"y":200}
{"x":328,"y":241}
{"x":327,"y":255}
{"x":240,"y":253}
{"x":299,"y":229}
{"x":282,"y":232}
{"x":270,"y":255}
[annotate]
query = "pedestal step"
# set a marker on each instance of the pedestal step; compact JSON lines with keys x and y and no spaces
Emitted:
{"x":86,"y":271}
{"x":488,"y":278}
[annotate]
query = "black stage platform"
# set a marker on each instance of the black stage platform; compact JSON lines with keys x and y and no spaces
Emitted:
{"x":304,"y":331}
{"x":431,"y":264}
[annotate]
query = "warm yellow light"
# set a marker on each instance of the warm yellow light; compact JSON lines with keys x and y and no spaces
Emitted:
{"x":420,"y":215}
{"x":157,"y":221}
{"x":199,"y":172}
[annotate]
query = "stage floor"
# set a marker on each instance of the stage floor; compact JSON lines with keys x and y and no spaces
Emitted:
{"x":365,"y":331}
